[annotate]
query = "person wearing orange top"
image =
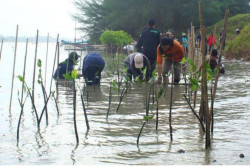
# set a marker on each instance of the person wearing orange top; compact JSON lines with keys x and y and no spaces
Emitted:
{"x":169,"y":52}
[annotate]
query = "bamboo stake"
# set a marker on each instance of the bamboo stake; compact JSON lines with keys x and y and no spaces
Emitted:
{"x":54,"y":62}
{"x":219,"y":61}
{"x":204,"y":78}
{"x":58,"y":70}
{"x":14,"y":65}
{"x":204,"y":86}
{"x":47,"y":49}
{"x":22,"y":105}
{"x":1,"y":50}
{"x":170,"y":108}
{"x":34,"y":72}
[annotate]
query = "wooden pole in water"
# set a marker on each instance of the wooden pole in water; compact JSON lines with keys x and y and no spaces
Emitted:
{"x":13,"y":74}
{"x":47,"y":49}
{"x":219,"y":61}
{"x":58,"y":70}
{"x":22,"y":105}
{"x":1,"y":50}
{"x":54,"y":62}
{"x":204,"y":78}
{"x":34,"y":72}
{"x":170,"y":107}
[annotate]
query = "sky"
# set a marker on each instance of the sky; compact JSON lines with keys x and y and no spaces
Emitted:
{"x":47,"y":16}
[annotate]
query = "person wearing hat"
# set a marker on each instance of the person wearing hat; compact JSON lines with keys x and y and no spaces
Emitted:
{"x":148,"y":42}
{"x":93,"y":65}
{"x":136,"y":63}
{"x":169,"y":52}
{"x":66,"y":66}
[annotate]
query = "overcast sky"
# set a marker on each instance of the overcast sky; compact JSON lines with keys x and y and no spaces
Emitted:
{"x":48,"y":16}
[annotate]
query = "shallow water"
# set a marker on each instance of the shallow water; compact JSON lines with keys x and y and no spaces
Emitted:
{"x":113,"y":141}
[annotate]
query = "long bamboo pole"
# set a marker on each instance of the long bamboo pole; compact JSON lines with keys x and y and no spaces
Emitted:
{"x":47,"y":50}
{"x":54,"y":62}
{"x":34,"y":72}
{"x":58,"y":70}
{"x":204,"y":78}
{"x":14,"y":65}
{"x":219,"y":61}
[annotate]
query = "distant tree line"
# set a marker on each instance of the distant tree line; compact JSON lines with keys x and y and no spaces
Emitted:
{"x":131,"y":16}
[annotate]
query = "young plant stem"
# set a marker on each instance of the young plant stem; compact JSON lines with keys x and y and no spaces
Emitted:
{"x":45,"y":105}
{"x":14,"y":65}
{"x":85,"y":113}
{"x":34,"y":70}
{"x":124,"y":90}
{"x":110,"y":98}
{"x":21,"y":102}
{"x":140,"y":132}
{"x":202,"y":125}
{"x":74,"y":108}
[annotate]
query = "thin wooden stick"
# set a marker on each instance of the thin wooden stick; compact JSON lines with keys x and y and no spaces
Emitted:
{"x":47,"y":50}
{"x":170,"y":107}
{"x":34,"y":72}
{"x":54,"y":61}
{"x":58,"y":70}
{"x":14,"y":65}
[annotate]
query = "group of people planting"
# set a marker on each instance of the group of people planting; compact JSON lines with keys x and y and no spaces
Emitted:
{"x":152,"y":48}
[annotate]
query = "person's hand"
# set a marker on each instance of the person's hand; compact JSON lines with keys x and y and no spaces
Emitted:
{"x":159,"y":80}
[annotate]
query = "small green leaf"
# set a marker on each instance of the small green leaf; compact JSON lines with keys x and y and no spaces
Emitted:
{"x":194,"y":87}
{"x":148,"y":117}
{"x":160,"y":92}
{"x":183,"y":61}
{"x":39,"y":81}
{"x":20,"y":78}
{"x":137,"y":79}
{"x":39,"y":63}
{"x":67,"y":76}
{"x":74,"y":74}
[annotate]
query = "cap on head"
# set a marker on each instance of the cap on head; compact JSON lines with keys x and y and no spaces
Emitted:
{"x":72,"y":54}
{"x":138,"y":59}
{"x":167,"y":41}
{"x":151,"y":22}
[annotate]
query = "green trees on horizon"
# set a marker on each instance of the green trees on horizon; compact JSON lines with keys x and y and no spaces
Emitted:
{"x":131,"y":16}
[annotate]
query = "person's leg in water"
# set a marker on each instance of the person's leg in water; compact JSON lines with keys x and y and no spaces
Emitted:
{"x":166,"y":66}
{"x":177,"y":71}
{"x":92,"y":75}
